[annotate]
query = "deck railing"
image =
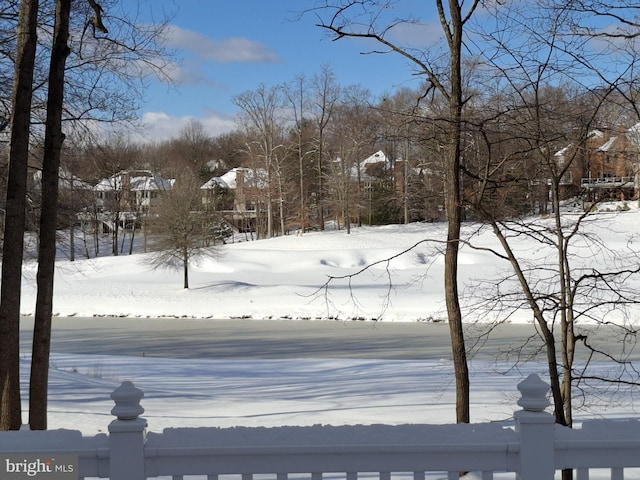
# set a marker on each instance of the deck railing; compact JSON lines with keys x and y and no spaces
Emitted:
{"x":533,"y":447}
{"x":607,"y":182}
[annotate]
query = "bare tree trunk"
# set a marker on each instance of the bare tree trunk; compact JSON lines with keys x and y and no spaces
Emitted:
{"x":453,"y":22}
{"x":72,"y":242}
{"x":54,"y":137}
{"x":454,"y":312}
{"x":280,"y":198}
{"x":185,"y":269}
{"x":296,"y":96}
{"x":303,"y":226}
{"x":320,"y":196}
{"x":133,"y":234}
{"x":347,"y":217}
{"x":454,"y":216}
{"x":566,"y":315}
{"x":12,"y":251}
{"x":327,"y":96}
{"x":281,"y":211}
{"x":547,"y":334}
{"x":405,"y":198}
{"x":269,"y":211}
{"x":116,"y":228}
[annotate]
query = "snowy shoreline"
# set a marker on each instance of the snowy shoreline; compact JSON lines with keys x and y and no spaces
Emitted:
{"x":286,"y":277}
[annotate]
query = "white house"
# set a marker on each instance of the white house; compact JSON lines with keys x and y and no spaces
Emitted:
{"x":130,"y":190}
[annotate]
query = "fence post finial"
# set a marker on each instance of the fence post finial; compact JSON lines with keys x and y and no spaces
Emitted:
{"x":127,"y":399}
{"x":534,"y":394}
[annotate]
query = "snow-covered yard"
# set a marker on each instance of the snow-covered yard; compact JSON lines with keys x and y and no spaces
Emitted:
{"x":283,"y":278}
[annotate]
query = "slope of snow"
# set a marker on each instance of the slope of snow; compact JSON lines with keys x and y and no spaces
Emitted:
{"x":390,"y":273}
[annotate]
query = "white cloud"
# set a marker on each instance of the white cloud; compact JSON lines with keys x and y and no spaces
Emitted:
{"x":229,"y":50}
{"x":418,"y":34}
{"x":160,"y":126}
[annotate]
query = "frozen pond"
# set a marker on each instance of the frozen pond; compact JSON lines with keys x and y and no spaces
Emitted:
{"x":283,"y":339}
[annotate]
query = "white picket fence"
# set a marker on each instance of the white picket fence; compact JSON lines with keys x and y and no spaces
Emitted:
{"x":533,"y":448}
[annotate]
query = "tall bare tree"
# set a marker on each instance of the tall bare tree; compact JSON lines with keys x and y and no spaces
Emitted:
{"x":178,"y":225}
{"x":12,"y":252}
{"x":371,"y":19}
{"x":352,"y":137}
{"x":192,"y":147}
{"x":38,"y":387}
{"x":262,"y":120}
{"x":326,"y":94}
{"x":297,"y":96}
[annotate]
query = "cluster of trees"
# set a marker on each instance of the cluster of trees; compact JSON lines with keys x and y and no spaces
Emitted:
{"x":308,"y":156}
{"x":510,"y":85}
{"x":60,"y":65}
{"x":306,"y":152}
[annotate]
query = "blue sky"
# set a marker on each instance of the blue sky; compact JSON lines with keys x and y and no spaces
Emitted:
{"x":228,"y":47}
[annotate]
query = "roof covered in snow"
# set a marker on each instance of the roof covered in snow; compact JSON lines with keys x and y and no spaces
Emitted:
{"x":135,"y":180}
{"x":364,"y":167}
{"x":252,"y":177}
{"x":378,"y":157}
{"x":608,"y":145}
{"x":633,"y":134}
{"x":214,"y":182}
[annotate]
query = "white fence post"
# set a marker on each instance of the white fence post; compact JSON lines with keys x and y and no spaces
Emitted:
{"x":127,"y":434}
{"x":536,"y":430}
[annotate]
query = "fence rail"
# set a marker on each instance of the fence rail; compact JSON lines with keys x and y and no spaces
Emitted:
{"x":534,"y":447}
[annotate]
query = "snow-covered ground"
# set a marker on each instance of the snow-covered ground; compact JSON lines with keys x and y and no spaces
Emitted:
{"x":302,"y":392}
{"x":284,"y":278}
